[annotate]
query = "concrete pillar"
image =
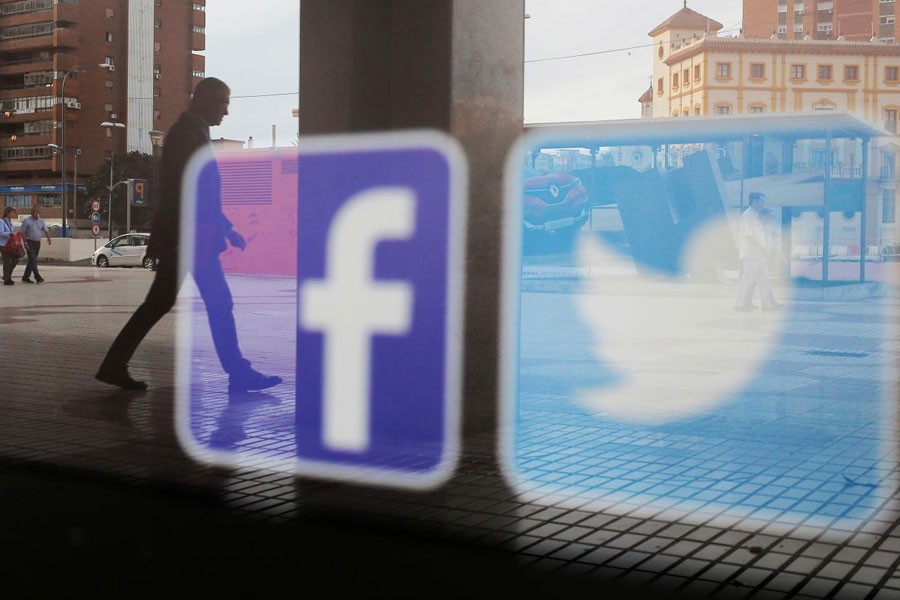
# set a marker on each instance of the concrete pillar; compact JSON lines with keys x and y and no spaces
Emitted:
{"x":453,"y":65}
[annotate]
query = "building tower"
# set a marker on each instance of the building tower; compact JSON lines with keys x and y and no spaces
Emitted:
{"x":54,"y":91}
{"x":857,"y":20}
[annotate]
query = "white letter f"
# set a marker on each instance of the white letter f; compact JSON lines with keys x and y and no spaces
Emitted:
{"x":349,"y":305}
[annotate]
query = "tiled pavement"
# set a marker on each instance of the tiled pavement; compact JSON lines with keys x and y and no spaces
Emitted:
{"x":57,"y":414}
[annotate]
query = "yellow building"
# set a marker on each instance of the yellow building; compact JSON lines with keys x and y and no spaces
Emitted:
{"x":699,"y":73}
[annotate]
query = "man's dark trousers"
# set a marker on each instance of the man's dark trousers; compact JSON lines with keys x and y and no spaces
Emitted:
{"x":34,"y":248}
{"x":210,"y":280}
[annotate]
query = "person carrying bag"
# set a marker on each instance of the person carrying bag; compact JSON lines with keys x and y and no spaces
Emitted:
{"x":12,"y":246}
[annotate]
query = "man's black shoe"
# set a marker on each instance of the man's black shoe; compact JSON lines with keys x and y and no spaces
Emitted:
{"x":119,"y":378}
{"x":251,"y":380}
{"x":39,"y":279}
{"x":26,"y":280}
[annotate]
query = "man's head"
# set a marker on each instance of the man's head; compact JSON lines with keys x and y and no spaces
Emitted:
{"x":35,"y":211}
{"x":210,"y":100}
{"x":757,"y":201}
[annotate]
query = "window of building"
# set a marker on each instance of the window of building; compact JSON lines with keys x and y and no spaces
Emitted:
{"x":798,"y":27}
{"x":109,"y":36}
{"x":50,"y":200}
{"x":157,"y":71}
{"x":798,"y":71}
{"x":156,"y":115}
{"x":686,"y":76}
{"x":199,"y":7}
{"x":782,"y":29}
{"x":198,"y":29}
{"x":696,"y":72}
{"x":17,"y":200}
{"x":723,"y":69}
{"x":697,"y":111}
{"x":674,"y":80}
{"x":825,"y":27}
{"x":890,"y":119}
{"x":886,"y":20}
{"x":110,"y":13}
{"x":756,"y":109}
{"x":199,"y":74}
{"x":157,"y":23}
{"x":886,"y":1}
{"x":888,"y":165}
{"x":757,"y":70}
{"x":158,"y":2}
{"x":108,"y":108}
{"x":824,"y":73}
{"x":723,"y":109}
{"x":109,"y":61}
{"x":157,"y":46}
{"x":659,"y":85}
{"x":108,"y":83}
{"x":891,"y":73}
{"x":156,"y":91}
{"x":888,"y":206}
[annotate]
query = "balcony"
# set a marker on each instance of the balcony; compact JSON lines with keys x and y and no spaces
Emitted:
{"x":61,"y":37}
{"x":198,"y":41}
{"x":67,"y":12}
{"x":26,"y":65}
{"x":25,"y":166}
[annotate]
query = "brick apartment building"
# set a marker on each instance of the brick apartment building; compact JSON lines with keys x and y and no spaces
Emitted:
{"x":856,"y":20}
{"x":53,"y":87}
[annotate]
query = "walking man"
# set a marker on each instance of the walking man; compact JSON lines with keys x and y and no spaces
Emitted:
{"x":32,"y":228}
{"x":753,"y":248}
{"x":209,"y":104}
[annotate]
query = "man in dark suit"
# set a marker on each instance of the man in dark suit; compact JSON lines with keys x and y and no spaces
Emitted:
{"x":209,"y":104}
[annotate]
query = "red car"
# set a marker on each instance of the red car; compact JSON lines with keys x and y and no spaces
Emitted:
{"x":554,"y":203}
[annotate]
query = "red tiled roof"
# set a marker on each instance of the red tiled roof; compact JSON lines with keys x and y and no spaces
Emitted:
{"x":647,"y":96}
{"x":687,"y":19}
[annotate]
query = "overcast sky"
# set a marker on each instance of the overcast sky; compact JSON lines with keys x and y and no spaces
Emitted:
{"x":256,"y":53}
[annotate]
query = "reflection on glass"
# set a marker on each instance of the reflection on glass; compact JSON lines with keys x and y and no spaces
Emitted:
{"x":638,"y":379}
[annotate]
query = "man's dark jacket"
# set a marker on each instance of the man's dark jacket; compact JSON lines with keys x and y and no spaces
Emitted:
{"x":189,"y":134}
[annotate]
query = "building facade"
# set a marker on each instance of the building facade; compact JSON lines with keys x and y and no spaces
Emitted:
{"x":66,"y":66}
{"x":858,"y":20}
{"x":698,"y":73}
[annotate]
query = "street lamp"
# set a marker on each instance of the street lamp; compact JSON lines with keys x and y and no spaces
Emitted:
{"x":111,"y":126}
{"x":62,"y":145}
{"x":156,"y":139}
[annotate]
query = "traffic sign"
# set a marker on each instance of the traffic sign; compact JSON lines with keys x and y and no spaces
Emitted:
{"x":372,"y":368}
{"x":95,"y":205}
{"x":95,"y":218}
{"x":137,"y":192}
{"x":95,"y":230}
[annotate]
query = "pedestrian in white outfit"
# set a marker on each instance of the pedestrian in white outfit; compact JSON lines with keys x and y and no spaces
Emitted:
{"x":753,"y":248}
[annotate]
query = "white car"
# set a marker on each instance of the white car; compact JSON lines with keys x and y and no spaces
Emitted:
{"x":128,"y":250}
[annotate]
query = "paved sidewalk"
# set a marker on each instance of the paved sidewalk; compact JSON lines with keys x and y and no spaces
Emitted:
{"x":53,"y":412}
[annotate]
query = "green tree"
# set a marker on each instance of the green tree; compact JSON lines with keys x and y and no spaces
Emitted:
{"x":134,"y":165}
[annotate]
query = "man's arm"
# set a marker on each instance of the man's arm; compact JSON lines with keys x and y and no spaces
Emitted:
{"x":47,"y":233}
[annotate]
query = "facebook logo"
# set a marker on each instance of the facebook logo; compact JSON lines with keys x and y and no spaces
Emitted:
{"x":379,"y":284}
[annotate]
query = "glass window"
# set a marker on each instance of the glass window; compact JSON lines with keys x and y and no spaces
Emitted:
{"x":851,"y":73}
{"x":824,"y":72}
{"x":723,"y":69}
{"x":723,"y":109}
{"x":757,"y":70}
{"x":888,"y":206}
{"x":798,"y":71}
{"x":891,"y":73}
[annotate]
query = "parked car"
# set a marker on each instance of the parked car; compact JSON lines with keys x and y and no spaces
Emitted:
{"x":555,"y":203}
{"x":128,"y":250}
